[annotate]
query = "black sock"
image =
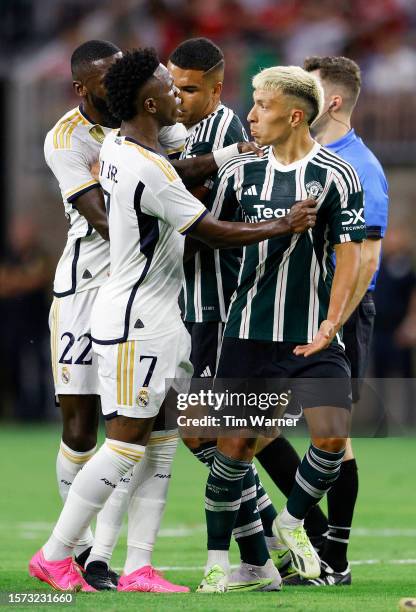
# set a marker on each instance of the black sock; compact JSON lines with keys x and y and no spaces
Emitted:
{"x":265,"y":506}
{"x":341,"y":504}
{"x":280,"y":460}
{"x":248,"y":529}
{"x":316,"y":474}
{"x":223,"y":498}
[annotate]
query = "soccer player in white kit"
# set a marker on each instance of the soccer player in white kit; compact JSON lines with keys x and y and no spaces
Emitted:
{"x":136,"y":326}
{"x":71,"y":150}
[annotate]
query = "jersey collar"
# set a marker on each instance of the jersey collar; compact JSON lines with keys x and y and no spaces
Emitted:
{"x":296,"y":164}
{"x":346,"y":140}
{"x":84,"y":114}
{"x":138,"y":143}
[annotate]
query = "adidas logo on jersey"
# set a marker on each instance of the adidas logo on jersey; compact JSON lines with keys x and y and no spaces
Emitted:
{"x":251,"y":191}
{"x":206,"y":372}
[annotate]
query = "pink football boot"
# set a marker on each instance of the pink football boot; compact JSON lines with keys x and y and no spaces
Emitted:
{"x":148,"y":580}
{"x":60,"y":575}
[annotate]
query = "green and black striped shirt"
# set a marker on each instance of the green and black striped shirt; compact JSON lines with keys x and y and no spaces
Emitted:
{"x":211,"y":275}
{"x":284,"y":283}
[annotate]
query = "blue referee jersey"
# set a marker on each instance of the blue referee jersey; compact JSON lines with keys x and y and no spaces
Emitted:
{"x":373,"y":180}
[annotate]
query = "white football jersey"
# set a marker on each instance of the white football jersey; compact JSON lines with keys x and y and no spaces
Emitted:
{"x":149,"y":212}
{"x":72,"y":148}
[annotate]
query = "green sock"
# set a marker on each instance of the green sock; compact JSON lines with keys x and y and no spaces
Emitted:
{"x":248,"y":530}
{"x":223,"y":499}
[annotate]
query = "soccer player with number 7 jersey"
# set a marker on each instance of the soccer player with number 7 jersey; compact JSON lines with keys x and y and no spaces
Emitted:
{"x":71,"y":150}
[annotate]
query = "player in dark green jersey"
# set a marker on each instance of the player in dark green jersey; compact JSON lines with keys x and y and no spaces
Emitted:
{"x":285,"y":317}
{"x":197,"y":66}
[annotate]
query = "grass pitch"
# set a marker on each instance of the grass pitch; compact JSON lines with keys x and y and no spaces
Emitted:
{"x":383,"y":547}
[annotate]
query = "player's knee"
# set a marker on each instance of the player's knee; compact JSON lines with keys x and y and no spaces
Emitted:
{"x":330,"y":445}
{"x":80,"y":422}
{"x":192,"y":443}
{"x":242,"y":449}
{"x":77,"y":439}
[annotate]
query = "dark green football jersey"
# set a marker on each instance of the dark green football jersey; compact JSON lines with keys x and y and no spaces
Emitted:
{"x":285,"y":283}
{"x":211,"y":275}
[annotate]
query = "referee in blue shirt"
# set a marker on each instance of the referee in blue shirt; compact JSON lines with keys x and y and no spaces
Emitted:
{"x":341,"y":80}
{"x":340,"y":77}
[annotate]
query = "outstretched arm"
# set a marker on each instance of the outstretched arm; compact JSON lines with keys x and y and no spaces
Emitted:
{"x":225,"y":234}
{"x":194,"y":170}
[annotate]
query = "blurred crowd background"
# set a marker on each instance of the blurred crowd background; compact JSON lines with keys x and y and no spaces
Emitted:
{"x":37,"y":38}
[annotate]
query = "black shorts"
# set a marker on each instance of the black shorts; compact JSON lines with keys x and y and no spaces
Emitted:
{"x":357,"y":336}
{"x":206,"y":346}
{"x":322,"y":379}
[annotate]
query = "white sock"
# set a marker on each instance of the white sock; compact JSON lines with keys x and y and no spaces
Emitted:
{"x":68,"y":464}
{"x":91,"y":488}
{"x":110,"y":521}
{"x":149,"y":490}
{"x":218,"y":557}
{"x":287,"y":521}
{"x":273,"y":543}
{"x":266,"y":570}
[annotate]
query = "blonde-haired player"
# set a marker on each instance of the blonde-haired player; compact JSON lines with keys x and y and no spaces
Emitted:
{"x":286,"y":314}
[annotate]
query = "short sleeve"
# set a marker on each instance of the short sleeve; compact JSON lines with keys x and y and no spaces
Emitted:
{"x":222,"y":200}
{"x":346,"y":211}
{"x":180,"y":208}
{"x":167,"y":197}
{"x":235,"y":133}
{"x":72,"y":171}
{"x":376,"y":205}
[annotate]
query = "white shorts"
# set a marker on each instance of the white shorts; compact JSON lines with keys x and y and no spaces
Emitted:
{"x":136,"y":375}
{"x":74,"y":364}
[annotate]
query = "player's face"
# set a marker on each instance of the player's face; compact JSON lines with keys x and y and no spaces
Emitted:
{"x":167,"y":98}
{"x":270,"y":118}
{"x":198,"y":94}
{"x":95,"y":90}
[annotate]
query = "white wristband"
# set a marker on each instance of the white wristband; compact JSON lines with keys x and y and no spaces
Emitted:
{"x":224,"y":155}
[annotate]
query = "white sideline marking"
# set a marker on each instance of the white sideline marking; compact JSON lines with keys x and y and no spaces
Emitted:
{"x":30,"y":531}
{"x":383,"y":533}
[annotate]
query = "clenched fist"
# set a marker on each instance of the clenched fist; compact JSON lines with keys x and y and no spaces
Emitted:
{"x":302,"y":216}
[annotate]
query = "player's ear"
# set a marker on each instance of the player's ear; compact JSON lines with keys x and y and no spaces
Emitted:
{"x":150,"y":105}
{"x":79,"y":88}
{"x":336,"y":103}
{"x":218,"y":88}
{"x":297,"y":117}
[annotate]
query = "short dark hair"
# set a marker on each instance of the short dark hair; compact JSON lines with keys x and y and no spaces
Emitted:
{"x":126,"y":77}
{"x":91,"y":51}
{"x":197,"y":54}
{"x":339,"y":71}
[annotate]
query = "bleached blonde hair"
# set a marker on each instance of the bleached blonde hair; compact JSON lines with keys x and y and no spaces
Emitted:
{"x":293,"y":81}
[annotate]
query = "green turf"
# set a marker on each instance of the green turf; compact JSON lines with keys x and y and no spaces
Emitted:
{"x":29,"y":503}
